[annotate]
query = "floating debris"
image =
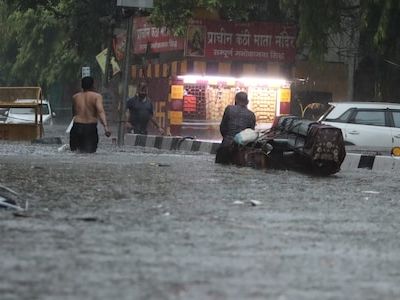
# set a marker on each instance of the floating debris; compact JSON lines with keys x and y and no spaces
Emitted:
{"x":238,"y":202}
{"x":21,"y":214}
{"x":371,"y":192}
{"x":9,"y":199}
{"x":88,"y":218}
{"x":255,"y":202}
{"x":63,"y":148}
{"x":159,"y":165}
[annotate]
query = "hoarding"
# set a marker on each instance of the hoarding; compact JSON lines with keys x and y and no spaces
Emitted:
{"x":221,"y":40}
{"x":252,"y":41}
{"x":147,"y":37}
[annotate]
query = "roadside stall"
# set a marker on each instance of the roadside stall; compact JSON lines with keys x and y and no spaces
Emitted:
{"x":24,"y":98}
{"x":206,"y":97}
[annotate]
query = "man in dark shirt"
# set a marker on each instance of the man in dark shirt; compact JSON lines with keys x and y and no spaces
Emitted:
{"x":140,"y":112}
{"x":235,"y":119}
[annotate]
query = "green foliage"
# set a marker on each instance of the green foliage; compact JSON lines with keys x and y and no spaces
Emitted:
{"x":48,"y":41}
{"x":173,"y":14}
{"x":381,"y":20}
{"x":44,"y":41}
{"x":380,"y":44}
{"x":176,"y":13}
{"x":317,"y":21}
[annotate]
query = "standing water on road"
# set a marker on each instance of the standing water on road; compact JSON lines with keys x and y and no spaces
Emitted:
{"x":134,"y":223}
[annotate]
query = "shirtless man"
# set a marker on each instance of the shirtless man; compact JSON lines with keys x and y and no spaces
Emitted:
{"x":87,"y":108}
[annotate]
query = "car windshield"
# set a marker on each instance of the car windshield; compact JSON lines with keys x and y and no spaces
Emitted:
{"x":29,"y":111}
{"x":22,"y":111}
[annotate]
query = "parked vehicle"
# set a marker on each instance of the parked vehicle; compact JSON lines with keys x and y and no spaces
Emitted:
{"x":3,"y":114}
{"x":291,"y":143}
{"x":369,"y":124}
{"x":27,"y":115}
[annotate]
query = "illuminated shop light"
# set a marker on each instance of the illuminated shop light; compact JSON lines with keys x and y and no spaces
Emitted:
{"x":205,"y":78}
{"x":247,"y":81}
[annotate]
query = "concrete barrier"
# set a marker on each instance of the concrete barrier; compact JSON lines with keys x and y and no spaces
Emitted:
{"x":171,"y":143}
{"x":368,"y":160}
{"x":371,"y":162}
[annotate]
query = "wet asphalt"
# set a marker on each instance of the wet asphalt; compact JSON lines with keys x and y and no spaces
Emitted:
{"x":136,"y":223}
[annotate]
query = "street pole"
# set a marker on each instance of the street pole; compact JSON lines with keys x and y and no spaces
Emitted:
{"x":108,"y":58}
{"x":110,"y":21}
{"x":126,"y":77}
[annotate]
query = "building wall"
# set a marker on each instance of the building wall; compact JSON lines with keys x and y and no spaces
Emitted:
{"x":328,"y":77}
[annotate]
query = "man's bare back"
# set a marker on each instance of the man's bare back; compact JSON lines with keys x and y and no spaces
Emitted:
{"x":88,"y":107}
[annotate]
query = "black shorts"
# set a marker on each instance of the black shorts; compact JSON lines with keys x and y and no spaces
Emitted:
{"x":84,"y":137}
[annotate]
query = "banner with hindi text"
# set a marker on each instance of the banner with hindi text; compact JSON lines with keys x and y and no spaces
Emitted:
{"x":221,"y":40}
{"x":252,"y":41}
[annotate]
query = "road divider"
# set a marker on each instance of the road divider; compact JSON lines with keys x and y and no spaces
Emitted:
{"x":371,"y":162}
{"x":171,"y":143}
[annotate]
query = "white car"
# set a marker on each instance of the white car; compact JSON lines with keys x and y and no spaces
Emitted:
{"x":27,"y":115}
{"x":369,"y":124}
{"x":3,"y":116}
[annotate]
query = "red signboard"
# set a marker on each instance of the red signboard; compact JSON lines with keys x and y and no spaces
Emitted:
{"x":241,"y":41}
{"x":147,"y":37}
{"x":221,"y":40}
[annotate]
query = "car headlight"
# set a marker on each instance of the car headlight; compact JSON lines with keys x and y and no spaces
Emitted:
{"x":396,"y":151}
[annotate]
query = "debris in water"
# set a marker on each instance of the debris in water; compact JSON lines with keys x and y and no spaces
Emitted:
{"x":238,"y":202}
{"x":371,"y":192}
{"x":22,"y":214}
{"x":63,"y":148}
{"x":88,"y":219}
{"x":9,"y":199}
{"x":159,"y":165}
{"x":255,"y":202}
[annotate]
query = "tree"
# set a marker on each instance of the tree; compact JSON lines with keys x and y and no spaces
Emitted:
{"x":43,"y":41}
{"x":380,"y":46}
{"x":49,"y":40}
{"x":175,"y":14}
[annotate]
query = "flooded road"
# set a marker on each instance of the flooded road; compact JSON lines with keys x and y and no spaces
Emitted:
{"x":131,"y":223}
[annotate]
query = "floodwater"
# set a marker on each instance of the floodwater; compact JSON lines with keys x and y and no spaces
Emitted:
{"x":133,"y":223}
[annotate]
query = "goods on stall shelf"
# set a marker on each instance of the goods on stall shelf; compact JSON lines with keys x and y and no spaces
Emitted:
{"x":263,"y":103}
{"x":217,"y":98}
{"x":197,"y":94}
{"x":206,"y":97}
{"x":208,"y":102}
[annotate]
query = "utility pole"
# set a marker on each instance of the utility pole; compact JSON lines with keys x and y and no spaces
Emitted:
{"x":110,"y":21}
{"x":126,"y":77}
{"x":108,"y":58}
{"x":133,"y":4}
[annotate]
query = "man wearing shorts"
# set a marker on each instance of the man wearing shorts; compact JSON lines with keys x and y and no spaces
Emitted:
{"x":87,"y":108}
